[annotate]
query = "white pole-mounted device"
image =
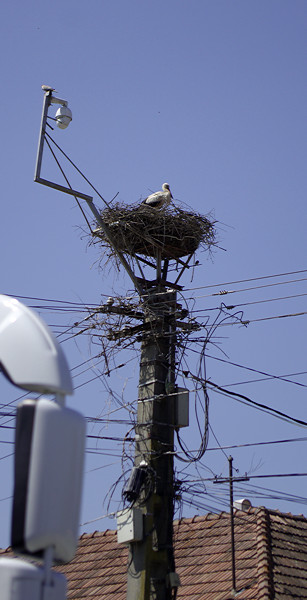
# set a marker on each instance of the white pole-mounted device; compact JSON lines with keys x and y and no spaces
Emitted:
{"x":49,"y":455}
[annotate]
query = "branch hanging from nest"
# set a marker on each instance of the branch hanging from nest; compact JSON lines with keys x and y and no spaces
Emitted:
{"x":141,"y":230}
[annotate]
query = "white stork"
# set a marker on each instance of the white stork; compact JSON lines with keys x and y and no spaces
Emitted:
{"x":159,"y":199}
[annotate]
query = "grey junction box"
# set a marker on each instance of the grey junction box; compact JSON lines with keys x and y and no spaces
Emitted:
{"x":129,"y":525}
{"x":182,"y":408}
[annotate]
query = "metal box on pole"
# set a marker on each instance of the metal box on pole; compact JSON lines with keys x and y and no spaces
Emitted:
{"x":182,"y":408}
{"x":129,"y":525}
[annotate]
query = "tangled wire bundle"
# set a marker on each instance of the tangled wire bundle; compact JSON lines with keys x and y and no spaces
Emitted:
{"x":144,"y":230}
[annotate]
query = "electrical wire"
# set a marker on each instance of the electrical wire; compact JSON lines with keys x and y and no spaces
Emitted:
{"x":133,"y":297}
{"x":261,"y":379}
{"x":253,"y":288}
{"x":66,"y":308}
{"x":259,"y":405}
{"x":252,"y":444}
{"x":247,"y":280}
{"x":232,"y":307}
{"x":77,"y":169}
{"x":221,"y":480}
{"x":268,"y":375}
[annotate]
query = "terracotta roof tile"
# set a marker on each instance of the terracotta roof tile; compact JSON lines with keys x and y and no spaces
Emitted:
{"x":271,"y":559}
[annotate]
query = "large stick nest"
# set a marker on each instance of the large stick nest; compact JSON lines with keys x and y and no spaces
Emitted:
{"x":145,"y":230}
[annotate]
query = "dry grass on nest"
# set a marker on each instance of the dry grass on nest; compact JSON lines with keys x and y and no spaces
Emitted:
{"x":143,"y":230}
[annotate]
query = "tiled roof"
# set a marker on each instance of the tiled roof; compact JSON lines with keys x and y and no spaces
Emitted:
{"x":99,"y":570}
{"x":270,"y":552}
{"x":288,"y":540}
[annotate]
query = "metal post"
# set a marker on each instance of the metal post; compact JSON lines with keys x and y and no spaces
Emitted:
{"x":47,"y":565}
{"x":151,"y":560}
{"x":89,"y":199}
{"x":38,"y":165}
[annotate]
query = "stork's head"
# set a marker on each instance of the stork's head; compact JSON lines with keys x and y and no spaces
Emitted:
{"x":166,"y":188}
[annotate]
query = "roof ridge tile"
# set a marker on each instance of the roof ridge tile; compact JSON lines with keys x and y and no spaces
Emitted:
{"x":275,"y":511}
{"x":264,"y":562}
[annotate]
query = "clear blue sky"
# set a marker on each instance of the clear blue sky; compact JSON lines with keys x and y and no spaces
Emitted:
{"x":211,"y":97}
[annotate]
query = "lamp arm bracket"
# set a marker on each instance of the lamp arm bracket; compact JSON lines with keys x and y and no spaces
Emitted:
{"x":55,"y":100}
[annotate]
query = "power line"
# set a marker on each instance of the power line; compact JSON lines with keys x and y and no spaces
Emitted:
{"x":80,"y":304}
{"x":285,"y":441}
{"x":232,"y":307}
{"x":198,"y":311}
{"x":282,"y":377}
{"x":247,"y":280}
{"x":248,"y":289}
{"x":246,"y":322}
{"x":269,"y":375}
{"x":259,"y":491}
{"x":246,"y":399}
{"x":224,"y":292}
{"x":259,"y":405}
{"x":131,"y":297}
{"x":221,"y":480}
{"x":268,"y":476}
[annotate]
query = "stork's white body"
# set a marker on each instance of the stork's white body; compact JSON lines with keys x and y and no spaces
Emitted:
{"x":159,"y":199}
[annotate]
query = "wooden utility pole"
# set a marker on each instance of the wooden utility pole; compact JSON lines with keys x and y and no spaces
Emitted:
{"x":151,"y":560}
{"x":148,"y":241}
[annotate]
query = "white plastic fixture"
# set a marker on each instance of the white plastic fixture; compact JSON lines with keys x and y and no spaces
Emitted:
{"x":129,"y":525}
{"x":49,"y":455}
{"x":242,"y":504}
{"x":29,"y":354}
{"x":63,"y":117}
{"x":20,"y":580}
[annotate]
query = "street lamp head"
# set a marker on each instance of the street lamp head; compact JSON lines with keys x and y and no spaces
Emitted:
{"x":63,"y":117}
